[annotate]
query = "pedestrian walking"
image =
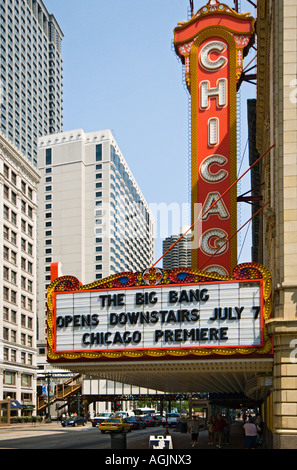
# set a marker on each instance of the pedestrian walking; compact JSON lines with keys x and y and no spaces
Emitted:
{"x":219,"y":424}
{"x":194,"y":430}
{"x":210,"y":428}
{"x":227,"y":430}
{"x":251,"y":430}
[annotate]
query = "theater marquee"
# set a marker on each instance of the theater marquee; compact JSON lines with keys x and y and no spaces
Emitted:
{"x":160,"y":313}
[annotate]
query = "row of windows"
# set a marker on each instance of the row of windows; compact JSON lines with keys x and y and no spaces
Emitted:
{"x":10,"y":378}
{"x":11,"y":256}
{"x":11,"y":216}
{"x":11,"y":176}
{"x":11,"y":276}
{"x":11,"y":355}
{"x":10,"y":315}
{"x":11,"y":336}
{"x":48,"y":215}
{"x":11,"y":196}
{"x":9,"y":295}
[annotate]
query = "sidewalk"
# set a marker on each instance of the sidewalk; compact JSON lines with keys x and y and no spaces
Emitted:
{"x":183,"y":440}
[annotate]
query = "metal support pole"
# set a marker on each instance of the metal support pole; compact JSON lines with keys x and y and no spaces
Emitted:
{"x":49,"y":419}
{"x":78,"y":404}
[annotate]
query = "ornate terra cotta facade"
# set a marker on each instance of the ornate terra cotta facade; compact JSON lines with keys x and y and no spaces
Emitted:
{"x":212,"y":45}
{"x":277,"y":121}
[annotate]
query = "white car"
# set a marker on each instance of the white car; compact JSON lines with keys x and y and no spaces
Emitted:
{"x":172,"y":419}
{"x":101,"y":417}
{"x":124,"y":414}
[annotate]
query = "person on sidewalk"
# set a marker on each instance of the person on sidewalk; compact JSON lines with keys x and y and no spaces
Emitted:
{"x":219,"y":425}
{"x":251,"y":430}
{"x":210,"y":431}
{"x":194,"y":430}
{"x":227,"y":429}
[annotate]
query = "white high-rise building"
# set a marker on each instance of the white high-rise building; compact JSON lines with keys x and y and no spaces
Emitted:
{"x":92,"y":216}
{"x":18,"y":213}
{"x":31,"y":74}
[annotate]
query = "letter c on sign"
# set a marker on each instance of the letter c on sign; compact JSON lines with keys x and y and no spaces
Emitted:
{"x":205,"y":168}
{"x":206,"y":62}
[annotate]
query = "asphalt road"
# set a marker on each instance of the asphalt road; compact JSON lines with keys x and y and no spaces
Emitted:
{"x":56,"y":437}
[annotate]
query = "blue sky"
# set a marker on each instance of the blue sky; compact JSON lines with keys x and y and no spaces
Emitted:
{"x":121,"y":73}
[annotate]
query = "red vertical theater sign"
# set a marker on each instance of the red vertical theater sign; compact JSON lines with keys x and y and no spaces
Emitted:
{"x":212,"y":46}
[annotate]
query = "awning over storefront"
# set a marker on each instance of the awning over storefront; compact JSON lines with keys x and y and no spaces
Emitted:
{"x":15,"y":405}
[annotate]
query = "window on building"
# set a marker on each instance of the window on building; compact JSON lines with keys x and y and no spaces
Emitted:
{"x":9,"y":377}
{"x":99,"y":153}
{"x":48,"y":157}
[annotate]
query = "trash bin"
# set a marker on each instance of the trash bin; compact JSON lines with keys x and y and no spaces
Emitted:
{"x":183,"y":427}
{"x":118,"y":440}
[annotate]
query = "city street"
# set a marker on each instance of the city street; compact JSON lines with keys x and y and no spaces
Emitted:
{"x":53,"y":436}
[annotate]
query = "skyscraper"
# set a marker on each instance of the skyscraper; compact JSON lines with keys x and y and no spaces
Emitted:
{"x":92,"y":216}
{"x":30,"y":106}
{"x":180,"y":254}
{"x":31,"y":74}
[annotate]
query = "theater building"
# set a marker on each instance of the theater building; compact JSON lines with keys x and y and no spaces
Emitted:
{"x":276,"y":121}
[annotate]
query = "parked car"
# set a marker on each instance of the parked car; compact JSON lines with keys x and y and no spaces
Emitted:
{"x":101,"y":417}
{"x":74,"y":421}
{"x":115,"y":425}
{"x":172,"y":419}
{"x":136,"y":422}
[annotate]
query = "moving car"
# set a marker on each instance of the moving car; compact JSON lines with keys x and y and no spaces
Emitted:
{"x":115,"y":425}
{"x":74,"y":421}
{"x":172,"y":419}
{"x":149,"y":421}
{"x":123,"y":414}
{"x":100,"y":417}
{"x":136,"y":422}
{"x":158,"y":419}
{"x":141,"y":422}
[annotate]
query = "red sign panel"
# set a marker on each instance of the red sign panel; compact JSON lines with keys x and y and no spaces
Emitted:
{"x":212,"y":46}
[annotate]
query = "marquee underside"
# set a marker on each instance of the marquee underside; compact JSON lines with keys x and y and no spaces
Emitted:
{"x":221,"y":376}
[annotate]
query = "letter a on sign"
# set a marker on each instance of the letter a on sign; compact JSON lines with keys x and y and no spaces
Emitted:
{"x":211,"y":45}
